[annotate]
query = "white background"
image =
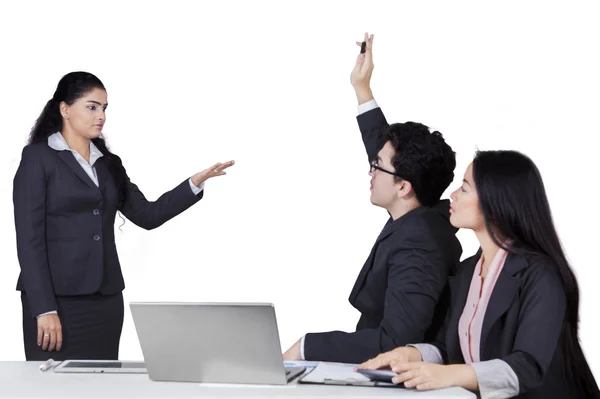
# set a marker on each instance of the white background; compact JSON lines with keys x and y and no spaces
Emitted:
{"x":267,"y":84}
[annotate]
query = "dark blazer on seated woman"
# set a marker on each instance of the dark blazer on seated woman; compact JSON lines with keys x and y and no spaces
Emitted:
{"x":512,"y":327}
{"x":522,"y":327}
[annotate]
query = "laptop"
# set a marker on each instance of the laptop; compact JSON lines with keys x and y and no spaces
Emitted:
{"x":211,"y":342}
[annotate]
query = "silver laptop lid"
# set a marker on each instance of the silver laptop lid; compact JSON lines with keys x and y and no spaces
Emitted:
{"x":210,"y":342}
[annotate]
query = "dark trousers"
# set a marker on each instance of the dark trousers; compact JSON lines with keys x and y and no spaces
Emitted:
{"x":91,"y":328}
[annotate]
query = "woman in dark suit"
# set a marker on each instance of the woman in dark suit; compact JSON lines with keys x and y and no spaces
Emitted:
{"x":512,"y":327}
{"x":67,"y":191}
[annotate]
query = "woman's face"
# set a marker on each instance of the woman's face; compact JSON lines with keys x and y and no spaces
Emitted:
{"x":87,"y":115}
{"x":465,"y":212}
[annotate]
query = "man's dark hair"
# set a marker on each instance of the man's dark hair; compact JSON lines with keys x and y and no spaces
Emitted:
{"x":423,"y":158}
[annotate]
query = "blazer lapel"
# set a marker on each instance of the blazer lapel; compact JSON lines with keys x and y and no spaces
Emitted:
{"x":360,"y":280}
{"x":102,"y":173}
{"x":503,"y":294}
{"x":68,"y":158}
{"x":459,"y":290}
{"x":389,"y":228}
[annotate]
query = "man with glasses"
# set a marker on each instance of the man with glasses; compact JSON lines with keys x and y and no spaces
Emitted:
{"x":401,"y":289}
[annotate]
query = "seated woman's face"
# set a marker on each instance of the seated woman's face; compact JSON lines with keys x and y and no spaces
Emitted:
{"x":465,"y":212}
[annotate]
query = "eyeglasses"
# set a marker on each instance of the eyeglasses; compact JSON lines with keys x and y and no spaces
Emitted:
{"x":375,"y":167}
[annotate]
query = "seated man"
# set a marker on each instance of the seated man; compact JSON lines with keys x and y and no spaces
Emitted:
{"x":401,"y":289}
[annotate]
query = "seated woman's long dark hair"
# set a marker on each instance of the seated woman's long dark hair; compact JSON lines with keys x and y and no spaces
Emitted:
{"x":70,"y":88}
{"x":515,"y":206}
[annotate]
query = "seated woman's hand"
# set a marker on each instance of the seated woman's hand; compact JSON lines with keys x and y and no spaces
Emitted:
{"x":400,"y":355}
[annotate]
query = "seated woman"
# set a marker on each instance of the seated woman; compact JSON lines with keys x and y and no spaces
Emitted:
{"x":512,"y":327}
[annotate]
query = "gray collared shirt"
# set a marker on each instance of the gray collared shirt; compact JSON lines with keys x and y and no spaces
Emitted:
{"x":58,"y":143}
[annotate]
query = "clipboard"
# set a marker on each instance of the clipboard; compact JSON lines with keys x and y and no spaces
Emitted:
{"x":327,"y":373}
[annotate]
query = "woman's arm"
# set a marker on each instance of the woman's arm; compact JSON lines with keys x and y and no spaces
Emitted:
{"x":29,"y":198}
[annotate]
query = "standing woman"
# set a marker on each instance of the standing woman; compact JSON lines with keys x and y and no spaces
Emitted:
{"x":512,"y":329}
{"x":67,"y":191}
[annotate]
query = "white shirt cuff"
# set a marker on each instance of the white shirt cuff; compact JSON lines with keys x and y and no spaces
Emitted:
{"x":302,"y":347}
{"x":50,"y":312}
{"x":196,"y":190}
{"x":496,"y":379}
{"x":368,"y":106}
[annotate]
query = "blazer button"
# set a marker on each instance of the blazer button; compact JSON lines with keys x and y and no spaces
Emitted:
{"x":96,"y":237}
{"x":96,"y":211}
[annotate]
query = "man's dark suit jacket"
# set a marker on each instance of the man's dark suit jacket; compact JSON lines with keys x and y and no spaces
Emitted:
{"x":65,"y":225}
{"x":401,"y":289}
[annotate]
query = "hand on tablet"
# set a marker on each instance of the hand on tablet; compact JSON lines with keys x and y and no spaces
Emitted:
{"x":426,"y":376}
{"x":378,"y":375}
{"x":402,"y":354}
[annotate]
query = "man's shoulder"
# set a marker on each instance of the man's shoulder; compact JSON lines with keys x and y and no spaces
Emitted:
{"x":427,"y":222}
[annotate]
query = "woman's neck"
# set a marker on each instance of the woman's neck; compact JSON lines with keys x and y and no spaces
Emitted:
{"x":489,"y":250}
{"x":77,"y":143}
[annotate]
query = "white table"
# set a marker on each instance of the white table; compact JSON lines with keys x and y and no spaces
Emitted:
{"x":25,"y":380}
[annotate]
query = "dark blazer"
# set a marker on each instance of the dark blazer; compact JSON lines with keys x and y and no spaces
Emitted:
{"x":65,"y":225}
{"x":400,"y":290}
{"x":522,"y":326}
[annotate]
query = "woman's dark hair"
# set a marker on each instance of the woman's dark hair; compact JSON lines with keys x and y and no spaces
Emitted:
{"x":515,"y":207}
{"x":70,"y":88}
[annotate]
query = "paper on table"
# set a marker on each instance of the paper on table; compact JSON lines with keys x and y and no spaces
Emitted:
{"x":301,"y":363}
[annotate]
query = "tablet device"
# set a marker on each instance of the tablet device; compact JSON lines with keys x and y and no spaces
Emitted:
{"x":378,"y":375}
{"x":100,"y":366}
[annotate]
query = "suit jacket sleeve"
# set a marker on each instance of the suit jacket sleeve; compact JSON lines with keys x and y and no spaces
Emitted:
{"x":152,"y":214}
{"x":439,"y":341}
{"x":372,"y":125}
{"x":29,"y":198}
{"x":543,"y":307}
{"x":417,"y":275}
